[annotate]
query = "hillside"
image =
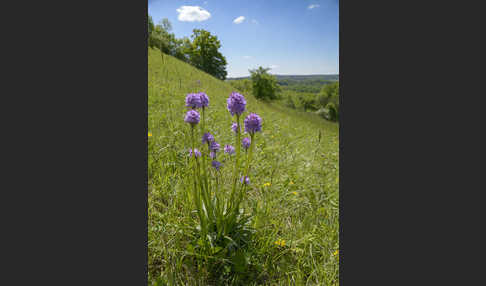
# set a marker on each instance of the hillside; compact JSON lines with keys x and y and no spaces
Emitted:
{"x":296,"y":157}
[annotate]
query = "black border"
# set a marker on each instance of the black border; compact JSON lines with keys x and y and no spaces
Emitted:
{"x":76,"y":180}
{"x":78,"y":211}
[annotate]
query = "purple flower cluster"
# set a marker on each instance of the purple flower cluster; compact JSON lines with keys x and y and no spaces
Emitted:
{"x":193,"y":100}
{"x":192,"y":117}
{"x":253,"y":123}
{"x":204,"y":99}
{"x":214,"y":146}
{"x":236,"y":103}
{"x":246,"y":142}
{"x":245,"y":181}
{"x":228,"y":149}
{"x":197,"y":100}
{"x":216,"y":165}
{"x":207,"y":138}
{"x":234,"y":127}
{"x":196,"y":152}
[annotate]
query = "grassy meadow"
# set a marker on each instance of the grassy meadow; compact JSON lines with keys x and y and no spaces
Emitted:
{"x":293,"y":193}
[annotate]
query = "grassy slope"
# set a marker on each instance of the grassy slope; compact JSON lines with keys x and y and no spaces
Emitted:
{"x":304,"y":214}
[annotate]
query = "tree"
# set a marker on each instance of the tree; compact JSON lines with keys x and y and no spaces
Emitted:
{"x":150,"y":25}
{"x":204,"y":54}
{"x":329,"y":93}
{"x":150,"y":30}
{"x":182,"y":49}
{"x":160,"y":36}
{"x":166,"y":25}
{"x":264,"y":84}
{"x":328,"y":99}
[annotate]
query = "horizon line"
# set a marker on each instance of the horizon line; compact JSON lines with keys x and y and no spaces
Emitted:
{"x":293,"y":74}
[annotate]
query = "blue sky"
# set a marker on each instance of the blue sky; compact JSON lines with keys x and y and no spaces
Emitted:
{"x":291,"y":37}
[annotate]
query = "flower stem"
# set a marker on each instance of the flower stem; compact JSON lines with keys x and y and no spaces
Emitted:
{"x":204,"y":166}
{"x":235,"y":170}
{"x":195,"y":191}
{"x":247,"y":169}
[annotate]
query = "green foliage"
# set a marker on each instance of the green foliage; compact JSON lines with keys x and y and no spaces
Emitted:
{"x":330,"y":112}
{"x":329,"y":93}
{"x":333,"y":112}
{"x":311,"y":85}
{"x":328,"y":102}
{"x":150,"y":25}
{"x":161,"y":38}
{"x":202,"y":52}
{"x":264,"y":85}
{"x":205,"y":55}
{"x":307,"y":101}
{"x":296,"y":154}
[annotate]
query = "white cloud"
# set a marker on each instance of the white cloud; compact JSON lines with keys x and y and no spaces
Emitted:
{"x":192,"y":13}
{"x":239,"y":20}
{"x":254,"y":21}
{"x":312,"y":6}
{"x":274,"y":66}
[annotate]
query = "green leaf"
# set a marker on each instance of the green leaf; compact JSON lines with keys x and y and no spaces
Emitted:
{"x":239,"y":262}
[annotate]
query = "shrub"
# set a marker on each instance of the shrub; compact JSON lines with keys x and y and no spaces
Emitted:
{"x":307,"y":101}
{"x":264,"y":85}
{"x":332,"y":111}
{"x":329,"y":93}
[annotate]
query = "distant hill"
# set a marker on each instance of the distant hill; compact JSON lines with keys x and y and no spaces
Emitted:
{"x":326,"y":77}
{"x":301,"y":83}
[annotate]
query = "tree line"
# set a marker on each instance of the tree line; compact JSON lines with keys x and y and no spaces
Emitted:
{"x":200,"y":50}
{"x":265,"y":86}
{"x":325,"y":103}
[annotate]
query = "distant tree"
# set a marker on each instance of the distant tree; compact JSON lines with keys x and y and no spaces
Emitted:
{"x":166,"y":25}
{"x":160,"y":36}
{"x":150,"y":25}
{"x":150,"y":31}
{"x":182,"y":49}
{"x":264,"y":85}
{"x":161,"y":39}
{"x":328,"y":100}
{"x":329,"y":93}
{"x":308,"y":102}
{"x":205,"y":55}
{"x":332,"y":111}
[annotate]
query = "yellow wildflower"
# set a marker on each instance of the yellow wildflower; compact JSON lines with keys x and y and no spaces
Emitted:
{"x":291,"y":183}
{"x":267,"y":184}
{"x":336,"y":252}
{"x":280,"y":242}
{"x":150,"y":134}
{"x":295,"y":193}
